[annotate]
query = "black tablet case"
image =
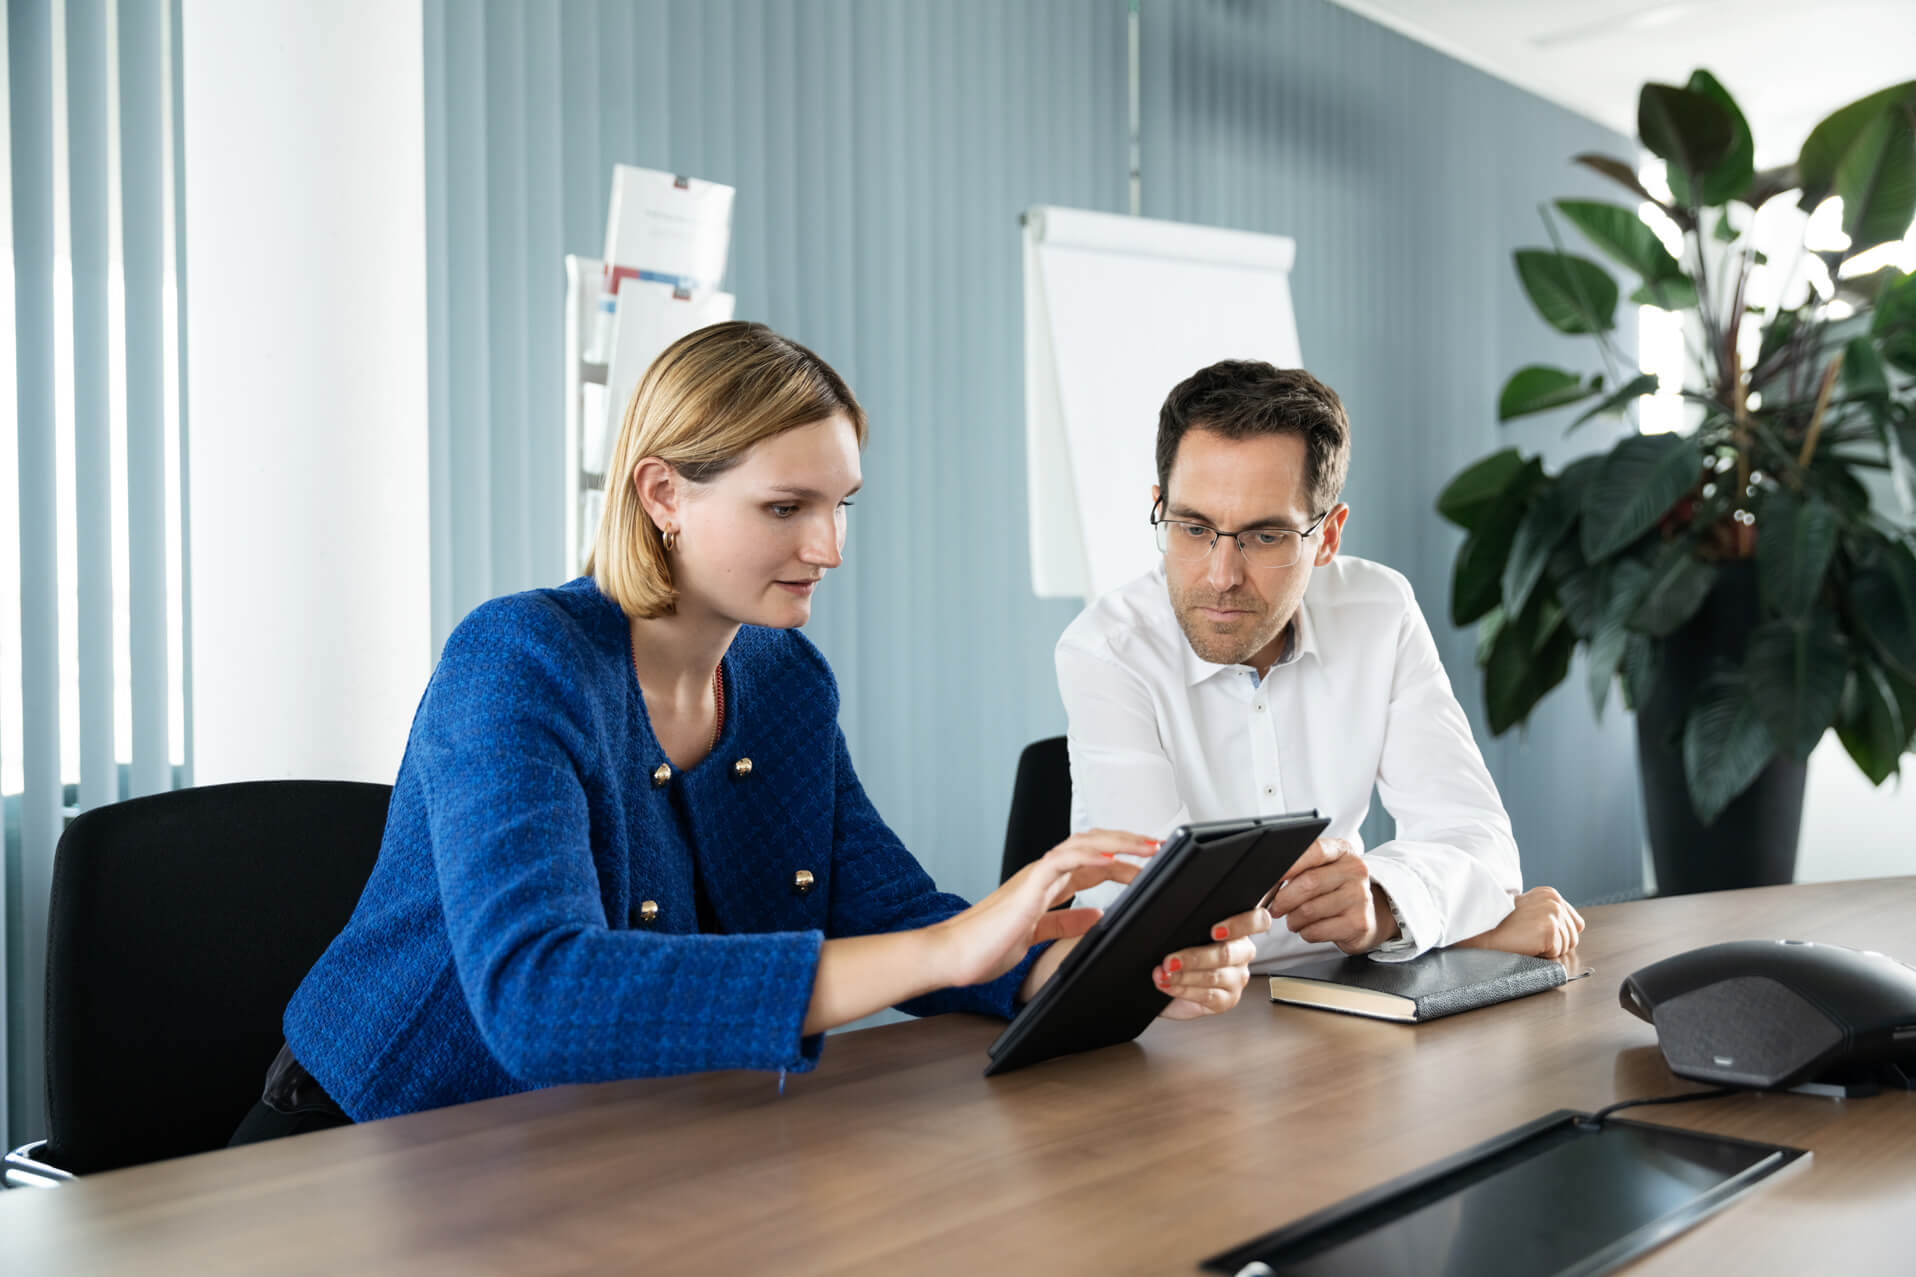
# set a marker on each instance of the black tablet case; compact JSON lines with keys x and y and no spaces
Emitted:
{"x":1102,"y":992}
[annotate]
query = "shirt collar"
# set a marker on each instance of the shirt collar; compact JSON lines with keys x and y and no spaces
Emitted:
{"x":1303,"y":642}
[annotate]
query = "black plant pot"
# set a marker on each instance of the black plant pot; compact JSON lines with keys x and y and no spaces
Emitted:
{"x":1752,"y":842}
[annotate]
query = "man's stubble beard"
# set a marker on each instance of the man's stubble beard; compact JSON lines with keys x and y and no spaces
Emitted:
{"x":1235,"y":648}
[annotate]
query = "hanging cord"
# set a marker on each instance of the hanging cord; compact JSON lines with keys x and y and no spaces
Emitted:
{"x":1137,"y":167}
{"x":1595,"y":1120}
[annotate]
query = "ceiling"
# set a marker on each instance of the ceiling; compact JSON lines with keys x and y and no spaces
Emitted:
{"x":1788,"y":63}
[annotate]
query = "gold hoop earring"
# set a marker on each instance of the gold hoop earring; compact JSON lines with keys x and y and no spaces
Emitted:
{"x":671,"y":539}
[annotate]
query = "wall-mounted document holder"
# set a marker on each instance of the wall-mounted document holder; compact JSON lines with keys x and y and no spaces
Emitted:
{"x":1558,"y":1196}
{"x":666,"y":243}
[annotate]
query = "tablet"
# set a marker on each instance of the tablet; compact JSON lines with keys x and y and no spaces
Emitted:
{"x":1560,"y":1195}
{"x":1102,"y":992}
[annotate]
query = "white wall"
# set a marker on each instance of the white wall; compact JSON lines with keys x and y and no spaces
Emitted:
{"x":306,"y":347}
{"x":1851,"y":830}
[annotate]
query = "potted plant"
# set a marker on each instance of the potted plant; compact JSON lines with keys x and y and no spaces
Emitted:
{"x":1742,"y":581}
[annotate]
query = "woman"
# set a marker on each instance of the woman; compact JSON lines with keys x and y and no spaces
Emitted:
{"x":626,"y":839}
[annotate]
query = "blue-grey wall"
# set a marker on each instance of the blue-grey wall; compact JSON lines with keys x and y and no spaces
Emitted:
{"x":882,"y":150}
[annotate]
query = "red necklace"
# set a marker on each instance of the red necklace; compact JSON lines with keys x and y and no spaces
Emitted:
{"x":718,"y":702}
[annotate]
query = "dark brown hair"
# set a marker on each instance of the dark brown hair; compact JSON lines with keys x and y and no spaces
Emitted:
{"x":1244,"y":398}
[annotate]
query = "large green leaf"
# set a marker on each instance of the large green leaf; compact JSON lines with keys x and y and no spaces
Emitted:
{"x":1904,"y":690}
{"x":1475,"y":585}
{"x":1543,"y":528}
{"x":1678,"y":584}
{"x":1537,"y":388}
{"x":1795,"y":669}
{"x":1620,"y":595}
{"x":1877,"y":179}
{"x":1487,"y":630}
{"x":1845,"y":130}
{"x":1640,"y":661}
{"x":1573,"y":294}
{"x":1618,"y":403}
{"x":1667,"y":294}
{"x":1794,"y":541}
{"x":1620,"y":233}
{"x":1689,"y":129}
{"x":1894,"y":323}
{"x":1530,"y":656}
{"x":1863,"y":375}
{"x":1870,"y":723}
{"x":1579,"y":586}
{"x":1777,"y":334}
{"x":1641,"y":479}
{"x":1476,"y":488}
{"x":1725,"y":746}
{"x":1829,"y":141}
{"x":1882,"y":598}
{"x":1729,"y":178}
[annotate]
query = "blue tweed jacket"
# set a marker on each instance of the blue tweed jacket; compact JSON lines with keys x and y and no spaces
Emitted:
{"x":500,"y":944}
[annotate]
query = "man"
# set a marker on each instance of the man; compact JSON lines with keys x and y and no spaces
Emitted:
{"x":1255,"y":671}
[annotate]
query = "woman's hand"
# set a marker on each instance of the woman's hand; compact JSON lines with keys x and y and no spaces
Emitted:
{"x":1211,"y":978}
{"x":1542,"y":924}
{"x":991,"y":937}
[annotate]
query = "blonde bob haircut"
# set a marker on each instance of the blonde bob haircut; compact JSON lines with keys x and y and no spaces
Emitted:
{"x":700,"y":407}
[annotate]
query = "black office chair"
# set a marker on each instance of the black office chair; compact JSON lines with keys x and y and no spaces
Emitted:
{"x":179,"y":926}
{"x":1040,"y":804}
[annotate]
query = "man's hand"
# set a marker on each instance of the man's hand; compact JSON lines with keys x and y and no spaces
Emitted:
{"x":1328,"y":895}
{"x":1542,"y":925}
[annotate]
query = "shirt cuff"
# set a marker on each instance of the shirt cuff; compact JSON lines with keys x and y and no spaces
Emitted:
{"x":1410,"y":903}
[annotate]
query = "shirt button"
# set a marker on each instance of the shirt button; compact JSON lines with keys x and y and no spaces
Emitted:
{"x":1259,"y":707}
{"x":1270,"y":791}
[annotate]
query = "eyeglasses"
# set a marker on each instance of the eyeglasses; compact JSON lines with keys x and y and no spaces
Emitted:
{"x":1261,"y":547}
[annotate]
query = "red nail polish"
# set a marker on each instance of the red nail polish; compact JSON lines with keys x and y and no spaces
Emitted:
{"x":1109,"y":855}
{"x":1220,"y":931}
{"x":1174,"y":964}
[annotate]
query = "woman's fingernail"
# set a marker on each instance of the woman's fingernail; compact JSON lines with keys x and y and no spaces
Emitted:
{"x":1109,"y":855}
{"x":1220,"y":931}
{"x":1174,"y":964}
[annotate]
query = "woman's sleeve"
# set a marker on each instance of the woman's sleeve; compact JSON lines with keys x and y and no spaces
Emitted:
{"x":557,"y":993}
{"x":879,"y":887}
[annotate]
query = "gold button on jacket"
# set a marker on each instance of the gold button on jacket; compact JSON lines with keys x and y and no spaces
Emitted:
{"x":648,"y":912}
{"x":661,"y":774}
{"x":802,"y":881}
{"x":742,"y":768}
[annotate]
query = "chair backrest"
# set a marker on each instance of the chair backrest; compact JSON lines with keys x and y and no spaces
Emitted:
{"x":179,"y":926}
{"x":1040,"y":804}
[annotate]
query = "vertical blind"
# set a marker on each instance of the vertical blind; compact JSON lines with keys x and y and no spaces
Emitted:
{"x":93,"y":669}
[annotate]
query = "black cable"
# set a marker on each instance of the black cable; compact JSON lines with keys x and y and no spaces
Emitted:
{"x":1595,"y":1120}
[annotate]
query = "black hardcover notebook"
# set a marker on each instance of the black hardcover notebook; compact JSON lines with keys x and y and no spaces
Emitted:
{"x":1439,"y":983}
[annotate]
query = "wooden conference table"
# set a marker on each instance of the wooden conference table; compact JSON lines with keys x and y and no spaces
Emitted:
{"x":896,"y":1156}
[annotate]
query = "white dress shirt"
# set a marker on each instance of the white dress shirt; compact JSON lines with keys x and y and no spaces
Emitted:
{"x":1160,"y":737}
